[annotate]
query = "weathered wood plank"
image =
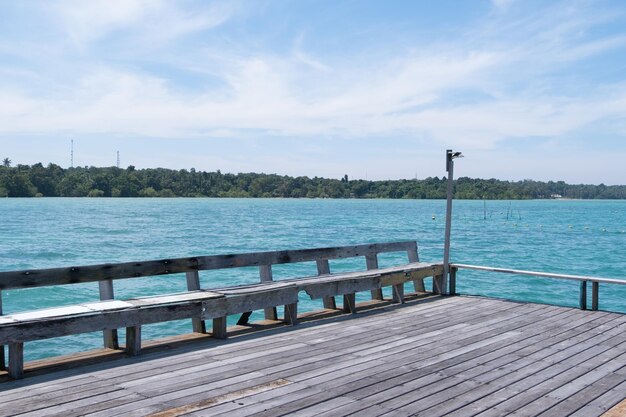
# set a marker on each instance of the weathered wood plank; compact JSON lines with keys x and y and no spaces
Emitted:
{"x":92,"y":273}
{"x":152,"y":367}
{"x":506,"y":392}
{"x":375,"y":371}
{"x":56,"y":326}
{"x":257,"y":300}
{"x":378,"y":362}
{"x":399,"y":381}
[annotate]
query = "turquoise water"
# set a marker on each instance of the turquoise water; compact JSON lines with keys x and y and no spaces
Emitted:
{"x":577,"y":237}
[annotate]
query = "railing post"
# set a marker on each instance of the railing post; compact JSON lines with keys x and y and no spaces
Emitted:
{"x":595,"y":295}
{"x":265,"y":272}
{"x":453,"y":271}
{"x":323,"y":268}
{"x":106,"y":293}
{"x":133,"y":340}
{"x":2,"y":358}
{"x":371,"y":261}
{"x":16,"y":360}
{"x":193,"y":284}
{"x":219,"y":328}
{"x":583,"y":295}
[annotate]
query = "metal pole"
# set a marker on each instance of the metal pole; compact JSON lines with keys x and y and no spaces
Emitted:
{"x":446,"y":248}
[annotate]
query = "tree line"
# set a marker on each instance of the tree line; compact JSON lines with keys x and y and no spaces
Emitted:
{"x":54,"y":181}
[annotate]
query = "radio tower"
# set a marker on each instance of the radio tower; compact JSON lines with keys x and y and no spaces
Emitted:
{"x":118,"y":159}
{"x":72,"y":154}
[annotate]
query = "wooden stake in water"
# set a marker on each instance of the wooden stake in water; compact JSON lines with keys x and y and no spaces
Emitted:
{"x":484,"y":209}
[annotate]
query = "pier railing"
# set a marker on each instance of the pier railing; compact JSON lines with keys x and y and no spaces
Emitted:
{"x":198,"y":304}
{"x":582,"y":279}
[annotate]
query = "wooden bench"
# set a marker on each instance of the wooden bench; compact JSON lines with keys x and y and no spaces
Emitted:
{"x":108,"y":314}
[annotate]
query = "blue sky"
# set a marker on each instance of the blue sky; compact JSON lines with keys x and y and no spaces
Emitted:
{"x":372,"y":89}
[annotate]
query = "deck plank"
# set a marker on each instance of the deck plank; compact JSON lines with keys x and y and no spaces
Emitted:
{"x":459,"y":355}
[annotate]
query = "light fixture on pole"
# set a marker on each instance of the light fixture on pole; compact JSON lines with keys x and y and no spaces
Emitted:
{"x":450,"y":156}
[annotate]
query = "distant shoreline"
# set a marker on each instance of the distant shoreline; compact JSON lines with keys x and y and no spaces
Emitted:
{"x":53,"y":181}
{"x":315,"y":198}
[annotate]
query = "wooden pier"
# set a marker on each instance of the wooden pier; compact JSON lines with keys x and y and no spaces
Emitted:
{"x":416,"y":352}
{"x":457,"y":356}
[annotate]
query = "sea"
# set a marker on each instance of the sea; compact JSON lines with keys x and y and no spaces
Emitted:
{"x":561,"y":236}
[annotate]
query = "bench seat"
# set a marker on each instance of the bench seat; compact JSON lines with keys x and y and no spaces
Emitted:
{"x":216,"y":304}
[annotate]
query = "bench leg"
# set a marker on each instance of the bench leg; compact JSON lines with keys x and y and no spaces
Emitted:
{"x":219,"y":328}
{"x":291,"y":314}
{"x":349,"y":303}
{"x":245,"y":317}
{"x":418,"y":284}
{"x":438,"y":284}
{"x":110,"y":339}
{"x":329,"y":303}
{"x":398,"y":293}
{"x":377,"y":294}
{"x":270,"y":313}
{"x":133,"y":340}
{"x":198,"y":325}
{"x":16,"y":360}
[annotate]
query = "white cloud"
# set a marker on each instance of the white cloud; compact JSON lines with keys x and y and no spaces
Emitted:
{"x":473,"y":93}
{"x":502,"y":4}
{"x":150,"y":20}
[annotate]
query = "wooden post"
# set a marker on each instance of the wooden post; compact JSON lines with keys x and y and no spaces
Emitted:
{"x":371,"y":262}
{"x":265,"y":272}
{"x":323,"y":268}
{"x":291,"y":314}
{"x":106,"y":293}
{"x":219,"y":328}
{"x":133,"y":340}
{"x":2,"y":358}
{"x":16,"y":360}
{"x":418,"y":284}
{"x":193,"y":284}
{"x":438,"y":283}
{"x":583,"y":295}
{"x":398,"y":293}
{"x":595,"y":295}
{"x":349,"y":303}
{"x":453,"y":280}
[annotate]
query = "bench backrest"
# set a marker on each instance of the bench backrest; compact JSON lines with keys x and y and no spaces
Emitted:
{"x":106,"y":272}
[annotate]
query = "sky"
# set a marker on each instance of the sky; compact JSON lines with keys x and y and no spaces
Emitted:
{"x":372,"y":89}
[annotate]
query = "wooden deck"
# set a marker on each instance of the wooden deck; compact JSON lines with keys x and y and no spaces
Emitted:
{"x":456,"y":356}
